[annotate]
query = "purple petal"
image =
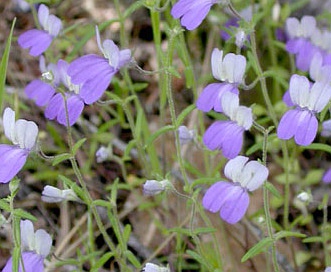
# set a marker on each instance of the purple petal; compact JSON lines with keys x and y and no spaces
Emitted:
{"x":210,"y":98}
{"x":39,"y":91}
{"x":288,"y":124}
{"x":226,"y":136}
{"x":32,"y":263}
{"x":327,"y":176}
{"x":93,"y":89}
{"x":236,"y":205}
{"x":302,"y":124}
{"x":216,"y":195}
{"x":75,"y":107}
{"x":307,"y":128}
{"x":37,"y":40}
{"x":12,"y":160}
{"x":54,"y":106}
{"x":86,"y":67}
{"x":305,"y":56}
{"x":287,"y":99}
{"x":293,"y":46}
{"x":180,"y":8}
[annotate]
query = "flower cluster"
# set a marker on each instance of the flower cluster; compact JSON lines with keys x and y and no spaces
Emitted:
{"x":85,"y":79}
{"x":231,"y":199}
{"x":223,"y":97}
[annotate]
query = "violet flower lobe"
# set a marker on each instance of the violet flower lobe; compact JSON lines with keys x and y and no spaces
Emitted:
{"x":228,"y":135}
{"x":35,"y":248}
{"x":232,"y":199}
{"x":192,"y":12}
{"x":39,"y":40}
{"x":94,"y":73}
{"x":231,"y":70}
{"x":23,"y":134}
{"x":301,"y":122}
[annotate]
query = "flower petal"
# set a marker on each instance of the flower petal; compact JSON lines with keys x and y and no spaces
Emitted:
{"x":39,"y":91}
{"x":12,"y":160}
{"x":32,"y":263}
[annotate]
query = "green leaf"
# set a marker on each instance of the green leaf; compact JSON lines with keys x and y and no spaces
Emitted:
{"x":261,"y":246}
{"x":156,"y":134}
{"x":198,"y":258}
{"x":184,"y":114}
{"x":313,"y":239}
{"x":105,"y":257}
{"x":24,"y":215}
{"x":137,"y":87}
{"x":126,"y":232}
{"x":321,"y":147}
{"x":4,"y":64}
{"x":78,"y":145}
{"x":102,"y":203}
{"x":60,"y":158}
{"x":132,"y":259}
{"x":272,"y":189}
{"x":285,"y":233}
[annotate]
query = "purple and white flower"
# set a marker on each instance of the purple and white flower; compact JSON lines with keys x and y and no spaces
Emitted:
{"x":228,"y":135}
{"x":231,"y":70}
{"x":23,"y":134}
{"x":35,"y":248}
{"x":72,"y":103}
{"x":326,"y":128}
{"x":299,"y":43}
{"x":231,"y":199}
{"x":301,"y":122}
{"x":39,"y":40}
{"x":192,"y":12}
{"x":185,"y":135}
{"x":94,"y":73}
{"x":52,"y":194}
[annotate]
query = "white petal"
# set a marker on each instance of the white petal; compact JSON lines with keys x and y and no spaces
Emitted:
{"x":233,"y":68}
{"x":253,"y":175}
{"x":315,"y":66}
{"x":26,"y":133}
{"x":234,"y":168}
{"x":43,"y":14}
{"x":320,"y":96}
{"x":111,"y":52}
{"x":27,"y":235}
{"x":244,"y":117}
{"x":217,"y":63}
{"x":43,"y":242}
{"x":51,"y":194}
{"x":299,"y":90}
{"x":230,"y":104}
{"x":292,"y":26}
{"x":308,"y":26}
{"x":42,"y":64}
{"x":9,"y":124}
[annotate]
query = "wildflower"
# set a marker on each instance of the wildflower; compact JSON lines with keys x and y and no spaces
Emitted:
{"x":23,"y":134}
{"x":150,"y":267}
{"x":232,"y":199}
{"x":94,"y":73}
{"x":299,"y":43}
{"x":328,"y":269}
{"x":185,"y":135}
{"x":231,"y":69}
{"x":192,"y":12}
{"x":71,"y":102}
{"x":35,"y":248}
{"x":41,"y":91}
{"x":241,"y":37}
{"x":154,"y":187}
{"x":228,"y":135}
{"x":318,"y":71}
{"x":301,"y":122}
{"x":39,"y":40}
{"x":305,"y":197}
{"x":52,"y":194}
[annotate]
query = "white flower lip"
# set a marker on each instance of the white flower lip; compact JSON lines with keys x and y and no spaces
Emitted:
{"x":22,"y":132}
{"x":250,"y":175}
